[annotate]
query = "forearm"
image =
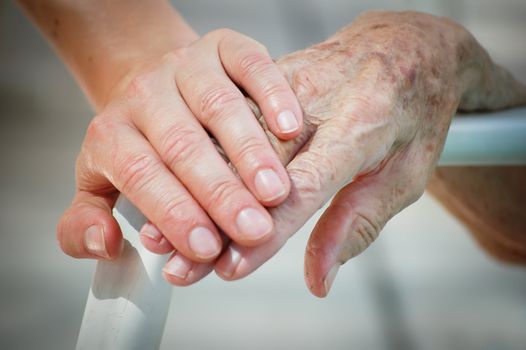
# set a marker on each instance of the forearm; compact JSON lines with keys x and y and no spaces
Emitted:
{"x":490,"y":201}
{"x":100,"y":40}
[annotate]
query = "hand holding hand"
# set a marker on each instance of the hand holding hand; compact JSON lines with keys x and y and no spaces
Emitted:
{"x":378,"y":98}
{"x":150,"y":143}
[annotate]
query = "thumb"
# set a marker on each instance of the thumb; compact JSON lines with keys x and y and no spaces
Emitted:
{"x":87,"y":229}
{"x":352,"y":222}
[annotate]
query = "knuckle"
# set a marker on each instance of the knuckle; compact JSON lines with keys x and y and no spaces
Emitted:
{"x":222,"y":191}
{"x":315,"y":172}
{"x":176,"y":212}
{"x":89,"y":169}
{"x":275,"y":89}
{"x":179,"y":144}
{"x":307,"y":180}
{"x":134,"y":171}
{"x":215,"y":101}
{"x":303,"y":82}
{"x":139,"y":88}
{"x":100,"y":126}
{"x":254,"y":64}
{"x":248,"y":148}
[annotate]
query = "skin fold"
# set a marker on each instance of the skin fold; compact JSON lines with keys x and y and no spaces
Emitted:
{"x":160,"y":91}
{"x":173,"y":133}
{"x":378,"y":98}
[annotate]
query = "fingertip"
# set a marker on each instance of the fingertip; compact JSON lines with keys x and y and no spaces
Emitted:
{"x":87,"y":231}
{"x":254,"y":70}
{"x":176,"y":280}
{"x":323,"y":252}
{"x":181,"y":271}
{"x":200,"y":239}
{"x":226,"y":267}
{"x":288,"y":124}
{"x":153,"y":239}
{"x":319,"y":277}
{"x":285,"y":124}
{"x":254,"y":226}
{"x":161,"y":246}
{"x":177,"y":267}
{"x":103,"y":237}
{"x":272,"y":186}
{"x":321,"y":286}
{"x":238,"y":262}
{"x":204,"y":244}
{"x":314,"y":276}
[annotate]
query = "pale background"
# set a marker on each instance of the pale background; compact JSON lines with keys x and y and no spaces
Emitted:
{"x":423,"y":285}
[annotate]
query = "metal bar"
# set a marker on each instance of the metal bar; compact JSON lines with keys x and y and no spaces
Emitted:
{"x":128,"y":300}
{"x":487,"y":139}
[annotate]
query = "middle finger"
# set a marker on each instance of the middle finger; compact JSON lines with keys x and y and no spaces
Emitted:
{"x":222,"y":109}
{"x":187,"y":150}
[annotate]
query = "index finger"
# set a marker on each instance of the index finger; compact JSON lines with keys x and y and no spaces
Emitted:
{"x":250,"y":66}
{"x":316,"y":173}
{"x":340,"y":150}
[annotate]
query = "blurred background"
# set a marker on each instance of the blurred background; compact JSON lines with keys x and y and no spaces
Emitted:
{"x":424,"y":284}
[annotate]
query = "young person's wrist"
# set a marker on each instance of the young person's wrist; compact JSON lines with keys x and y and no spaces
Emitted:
{"x":101,"y":41}
{"x":119,"y":66}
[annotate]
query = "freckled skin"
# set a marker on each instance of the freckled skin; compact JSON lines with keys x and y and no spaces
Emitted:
{"x":328,"y":80}
{"x":377,"y":97}
{"x":387,"y":86}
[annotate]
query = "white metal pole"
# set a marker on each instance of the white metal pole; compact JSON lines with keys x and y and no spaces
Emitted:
{"x":128,"y":300}
{"x":487,"y":139}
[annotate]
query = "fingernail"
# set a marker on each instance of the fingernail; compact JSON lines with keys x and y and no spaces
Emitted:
{"x":252,"y":224}
{"x":94,"y":240}
{"x":178,"y":267}
{"x":268,"y":185}
{"x":234,"y":259}
{"x":329,"y":279}
{"x":287,"y":122}
{"x":151,"y":231}
{"x":203,"y":243}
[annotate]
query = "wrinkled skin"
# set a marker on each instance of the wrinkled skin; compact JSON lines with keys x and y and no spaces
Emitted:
{"x":489,"y":201}
{"x":378,"y":98}
{"x":151,"y":142}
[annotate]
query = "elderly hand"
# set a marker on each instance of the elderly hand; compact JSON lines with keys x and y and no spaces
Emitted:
{"x":150,"y":142}
{"x":378,"y":98}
